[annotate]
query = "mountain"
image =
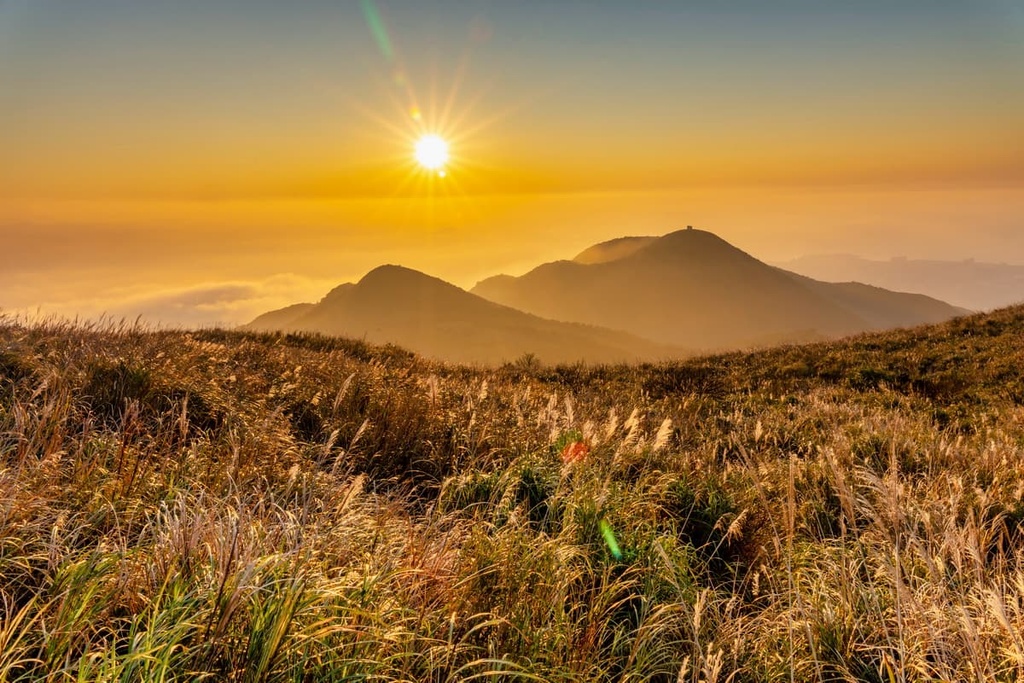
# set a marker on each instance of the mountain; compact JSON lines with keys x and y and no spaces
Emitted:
{"x":281,"y":318}
{"x":971,"y":284}
{"x":693,"y":289}
{"x":612,"y":250}
{"x":392,"y":304}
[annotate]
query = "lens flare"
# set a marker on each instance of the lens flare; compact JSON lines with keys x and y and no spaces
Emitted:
{"x":610,"y":540}
{"x":378,"y":29}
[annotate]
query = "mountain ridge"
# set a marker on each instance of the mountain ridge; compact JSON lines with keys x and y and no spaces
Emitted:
{"x":628,"y":299}
{"x":395,"y":304}
{"x":970,"y":284}
{"x":694,"y":289}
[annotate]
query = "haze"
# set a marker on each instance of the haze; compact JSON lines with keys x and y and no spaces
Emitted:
{"x":202,"y":162}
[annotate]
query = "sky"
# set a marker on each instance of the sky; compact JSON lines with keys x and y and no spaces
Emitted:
{"x":199,"y":162}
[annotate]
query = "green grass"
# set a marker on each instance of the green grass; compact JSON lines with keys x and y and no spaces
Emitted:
{"x":224,"y":506}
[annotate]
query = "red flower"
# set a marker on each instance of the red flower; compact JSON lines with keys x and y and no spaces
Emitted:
{"x":575,"y":451}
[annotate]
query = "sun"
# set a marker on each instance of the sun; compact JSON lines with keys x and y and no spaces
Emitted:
{"x":432,"y":152}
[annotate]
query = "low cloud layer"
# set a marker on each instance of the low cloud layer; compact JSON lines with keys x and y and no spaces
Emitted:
{"x":223,"y":304}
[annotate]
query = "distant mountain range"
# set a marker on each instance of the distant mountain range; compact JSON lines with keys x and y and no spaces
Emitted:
{"x":438,"y":320}
{"x":973,"y":285}
{"x":693,"y":289}
{"x":633,"y":298}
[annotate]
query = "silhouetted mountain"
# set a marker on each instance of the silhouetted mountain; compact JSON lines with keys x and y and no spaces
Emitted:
{"x":282,"y":317}
{"x":693,"y":289}
{"x":612,"y":250}
{"x":881,"y":308}
{"x":973,"y":285}
{"x":439,"y":320}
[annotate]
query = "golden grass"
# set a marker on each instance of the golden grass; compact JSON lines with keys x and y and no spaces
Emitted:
{"x":223,"y":506}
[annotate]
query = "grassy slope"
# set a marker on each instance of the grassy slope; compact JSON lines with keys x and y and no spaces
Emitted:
{"x":265,"y":507}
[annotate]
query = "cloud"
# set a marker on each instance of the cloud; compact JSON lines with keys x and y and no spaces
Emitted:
{"x":224,"y":304}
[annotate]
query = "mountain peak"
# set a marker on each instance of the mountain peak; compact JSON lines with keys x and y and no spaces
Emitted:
{"x":691,"y":235}
{"x":389,"y":272}
{"x":690,"y":245}
{"x":386,"y":280}
{"x":391,"y":277}
{"x":624,"y":247}
{"x":689,"y":230}
{"x":692,"y":288}
{"x":394,"y":304}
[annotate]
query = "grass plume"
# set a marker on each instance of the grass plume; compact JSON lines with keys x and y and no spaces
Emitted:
{"x":261,"y":507}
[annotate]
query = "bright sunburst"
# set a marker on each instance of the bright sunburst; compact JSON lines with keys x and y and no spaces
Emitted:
{"x":433,"y":139}
{"x":432,"y":152}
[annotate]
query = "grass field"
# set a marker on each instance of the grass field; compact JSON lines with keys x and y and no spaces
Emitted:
{"x":225,"y":506}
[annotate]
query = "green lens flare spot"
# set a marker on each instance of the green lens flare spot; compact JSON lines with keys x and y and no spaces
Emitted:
{"x":376,"y":24}
{"x":609,"y":539}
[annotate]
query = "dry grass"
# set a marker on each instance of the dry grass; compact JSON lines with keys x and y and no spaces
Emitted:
{"x":220,"y":506}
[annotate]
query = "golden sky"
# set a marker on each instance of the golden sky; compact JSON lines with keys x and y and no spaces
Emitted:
{"x":258,"y":153}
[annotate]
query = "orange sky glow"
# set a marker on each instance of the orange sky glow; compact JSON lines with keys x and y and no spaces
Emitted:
{"x":155,"y":152}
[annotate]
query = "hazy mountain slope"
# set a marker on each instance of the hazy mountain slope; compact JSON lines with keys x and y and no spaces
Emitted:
{"x":281,"y":318}
{"x":693,"y":289}
{"x":436,"y":319}
{"x":612,"y":250}
{"x":970,"y":284}
{"x":882,"y":308}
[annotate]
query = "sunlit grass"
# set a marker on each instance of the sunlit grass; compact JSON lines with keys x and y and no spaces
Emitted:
{"x":222,"y":506}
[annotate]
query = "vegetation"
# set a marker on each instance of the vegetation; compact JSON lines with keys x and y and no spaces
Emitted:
{"x":227,"y":506}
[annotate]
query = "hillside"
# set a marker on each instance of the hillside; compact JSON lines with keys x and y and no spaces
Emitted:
{"x":971,"y":284}
{"x":242,"y":506}
{"x":692,"y":289}
{"x":881,"y":308}
{"x":612,"y":250}
{"x":397,"y":305}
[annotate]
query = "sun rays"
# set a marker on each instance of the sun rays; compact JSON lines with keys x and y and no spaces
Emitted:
{"x":432,"y":135}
